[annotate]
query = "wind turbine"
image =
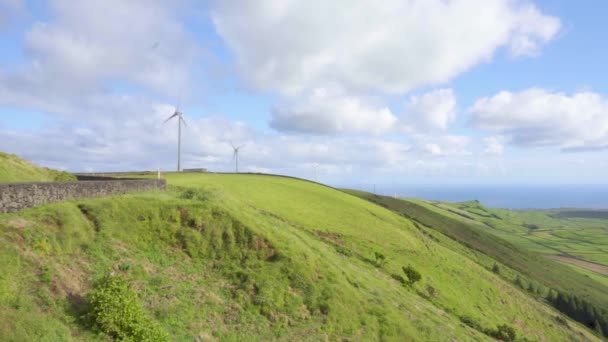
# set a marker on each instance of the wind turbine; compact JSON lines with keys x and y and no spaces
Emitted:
{"x":180,"y":120}
{"x":235,"y":156}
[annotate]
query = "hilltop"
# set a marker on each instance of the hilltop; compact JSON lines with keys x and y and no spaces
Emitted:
{"x":15,"y":169}
{"x":259,"y":257}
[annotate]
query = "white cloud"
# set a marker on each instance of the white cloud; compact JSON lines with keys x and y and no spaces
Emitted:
{"x":533,"y":29}
{"x":88,"y":45}
{"x":329,"y":111}
{"x":443,"y":145}
{"x":394,"y":46}
{"x":493,"y":146}
{"x":433,"y":110}
{"x":537,"y":117}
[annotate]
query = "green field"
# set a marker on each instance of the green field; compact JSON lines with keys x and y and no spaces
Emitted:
{"x":578,"y":235}
{"x":496,"y":234}
{"x":235,"y":257}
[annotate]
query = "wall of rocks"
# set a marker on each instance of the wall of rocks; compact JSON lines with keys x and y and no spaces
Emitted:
{"x":17,"y":196}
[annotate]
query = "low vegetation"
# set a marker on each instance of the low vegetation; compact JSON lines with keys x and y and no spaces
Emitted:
{"x":245,"y":257}
{"x":15,"y":169}
{"x":569,"y":291}
{"x":116,"y":311}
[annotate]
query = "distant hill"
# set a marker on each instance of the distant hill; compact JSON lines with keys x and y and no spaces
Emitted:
{"x":15,"y":169}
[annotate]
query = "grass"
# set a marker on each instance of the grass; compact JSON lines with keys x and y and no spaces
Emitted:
{"x":576,"y":234}
{"x":493,"y":232}
{"x":235,"y":257}
{"x":15,"y":169}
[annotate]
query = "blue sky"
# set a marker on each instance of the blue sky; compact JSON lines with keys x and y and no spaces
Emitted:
{"x":460,"y":92}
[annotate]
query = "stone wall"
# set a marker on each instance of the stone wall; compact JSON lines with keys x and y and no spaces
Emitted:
{"x":17,"y":196}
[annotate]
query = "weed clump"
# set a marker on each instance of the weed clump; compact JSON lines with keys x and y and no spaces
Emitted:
{"x":412,"y":274}
{"x":504,"y":332}
{"x":195,"y":194}
{"x":468,"y":320}
{"x":380,"y":259}
{"x":399,"y":278}
{"x":115,"y":310}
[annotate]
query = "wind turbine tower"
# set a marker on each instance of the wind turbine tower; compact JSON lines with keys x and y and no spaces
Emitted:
{"x":235,"y":156}
{"x":180,"y":119}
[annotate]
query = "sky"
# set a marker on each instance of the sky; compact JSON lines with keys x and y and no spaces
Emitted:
{"x":343,"y":92}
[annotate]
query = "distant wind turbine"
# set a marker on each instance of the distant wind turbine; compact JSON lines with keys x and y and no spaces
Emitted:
{"x":235,"y":156}
{"x":180,"y":120}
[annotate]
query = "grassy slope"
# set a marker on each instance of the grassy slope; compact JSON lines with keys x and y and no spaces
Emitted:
{"x":576,"y":234}
{"x":15,"y":169}
{"x":477,"y":235}
{"x":253,"y":257}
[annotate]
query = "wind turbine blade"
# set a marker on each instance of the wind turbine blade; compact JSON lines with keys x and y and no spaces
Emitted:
{"x":241,"y":146}
{"x":183,"y":121}
{"x":231,"y":144}
{"x":171,"y":117}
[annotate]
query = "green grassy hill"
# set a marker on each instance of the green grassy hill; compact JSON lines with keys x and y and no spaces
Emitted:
{"x":474,"y":226}
{"x":234,"y":257}
{"x":15,"y":169}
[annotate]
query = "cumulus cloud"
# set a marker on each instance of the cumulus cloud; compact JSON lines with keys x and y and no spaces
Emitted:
{"x":88,"y":45}
{"x":538,"y":117}
{"x":293,"y":46}
{"x":429,"y":111}
{"x":328,"y":111}
{"x":331,"y":111}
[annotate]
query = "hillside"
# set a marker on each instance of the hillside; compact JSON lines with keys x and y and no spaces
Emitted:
{"x":234,"y":257}
{"x":575,"y":237}
{"x":474,"y":226}
{"x":15,"y":169}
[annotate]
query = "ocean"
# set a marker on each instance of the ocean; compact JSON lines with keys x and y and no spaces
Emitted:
{"x":507,"y":196}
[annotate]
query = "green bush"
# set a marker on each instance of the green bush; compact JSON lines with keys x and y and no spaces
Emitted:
{"x":504,"y":332}
{"x":468,"y":320}
{"x":115,"y":310}
{"x":399,"y":279}
{"x":380,"y":259}
{"x":412,"y":274}
{"x":496,"y":269}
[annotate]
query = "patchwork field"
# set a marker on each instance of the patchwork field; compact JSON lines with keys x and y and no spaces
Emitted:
{"x":576,"y":237}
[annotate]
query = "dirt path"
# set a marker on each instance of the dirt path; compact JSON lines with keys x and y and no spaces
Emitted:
{"x":591,"y":266}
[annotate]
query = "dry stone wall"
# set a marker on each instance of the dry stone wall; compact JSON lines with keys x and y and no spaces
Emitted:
{"x":17,"y":196}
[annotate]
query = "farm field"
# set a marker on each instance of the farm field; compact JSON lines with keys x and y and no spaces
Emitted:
{"x":576,"y":237}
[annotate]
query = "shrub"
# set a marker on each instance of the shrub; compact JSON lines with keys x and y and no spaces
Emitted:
{"x":412,"y":274}
{"x":115,"y":310}
{"x":504,"y":332}
{"x":399,"y":279}
{"x":496,"y":269}
{"x":468,"y":320}
{"x":380,"y":259}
